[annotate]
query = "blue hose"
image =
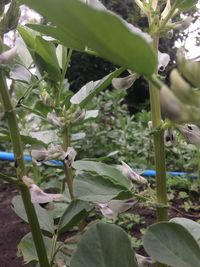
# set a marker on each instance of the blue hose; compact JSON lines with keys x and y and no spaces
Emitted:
{"x":148,"y":173}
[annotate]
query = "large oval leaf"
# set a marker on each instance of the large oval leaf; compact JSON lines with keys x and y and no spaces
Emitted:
{"x":114,"y":174}
{"x":76,"y":211}
{"x":96,"y":188}
{"x":171,"y":244}
{"x":104,"y":245}
{"x":45,"y":217}
{"x":192,"y":227}
{"x":102,"y":31}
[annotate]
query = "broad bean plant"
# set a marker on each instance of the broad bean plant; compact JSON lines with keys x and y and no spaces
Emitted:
{"x":41,"y":112}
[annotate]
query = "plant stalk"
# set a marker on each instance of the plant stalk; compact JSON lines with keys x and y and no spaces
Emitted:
{"x":68,"y":170}
{"x":20,"y":169}
{"x":159,"y":148}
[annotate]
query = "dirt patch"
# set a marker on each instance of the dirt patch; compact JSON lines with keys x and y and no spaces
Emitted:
{"x":12,"y":229}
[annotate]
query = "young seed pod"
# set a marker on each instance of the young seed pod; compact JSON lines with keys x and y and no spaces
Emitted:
{"x":170,"y":105}
{"x":190,"y":69}
{"x":180,"y":87}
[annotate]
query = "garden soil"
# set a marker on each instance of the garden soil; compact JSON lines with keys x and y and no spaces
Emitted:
{"x":12,"y":228}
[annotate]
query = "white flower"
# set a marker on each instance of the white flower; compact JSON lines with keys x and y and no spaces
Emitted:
{"x":163,"y":61}
{"x":39,"y":196}
{"x":7,"y":56}
{"x":39,"y":155}
{"x":131,"y":174}
{"x":54,"y":119}
{"x":169,"y":137}
{"x":69,"y":156}
{"x":144,"y":261}
{"x":114,"y":207}
{"x":191,"y":132}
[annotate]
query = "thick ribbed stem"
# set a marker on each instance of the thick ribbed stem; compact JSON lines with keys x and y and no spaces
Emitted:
{"x":159,"y":148}
{"x":20,"y":167}
{"x":68,"y":170}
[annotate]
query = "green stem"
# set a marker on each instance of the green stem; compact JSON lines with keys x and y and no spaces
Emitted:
{"x":20,"y":168}
{"x":67,"y":170}
{"x":53,"y":249}
{"x":159,"y":148}
{"x":64,"y":71}
{"x":8,"y":179}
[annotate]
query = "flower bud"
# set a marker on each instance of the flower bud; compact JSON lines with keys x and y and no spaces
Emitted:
{"x":46,"y":99}
{"x":125,"y":82}
{"x":79,"y":115}
{"x":11,"y":18}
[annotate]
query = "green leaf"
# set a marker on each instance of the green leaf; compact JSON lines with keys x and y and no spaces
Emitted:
{"x":26,"y":247}
{"x":75,"y":212}
{"x":46,"y":59}
{"x":103,"y":169}
{"x":100,"y":30}
{"x":26,"y":139}
{"x":185,"y":5}
{"x":28,"y":39}
{"x":171,"y":244}
{"x":192,"y":227}
{"x":88,"y":91}
{"x":45,"y":136}
{"x":95,"y":188}
{"x":45,"y":217}
{"x":43,"y":53}
{"x":104,"y":245}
